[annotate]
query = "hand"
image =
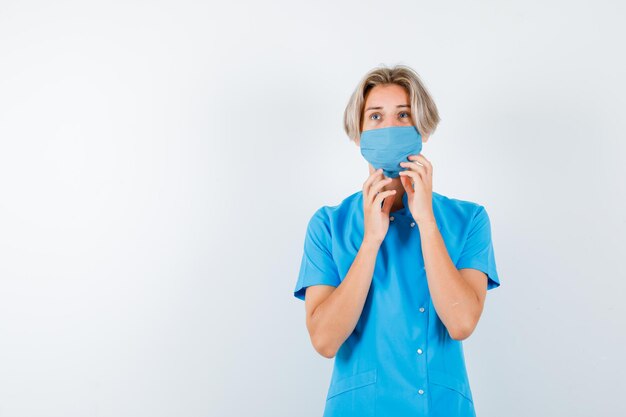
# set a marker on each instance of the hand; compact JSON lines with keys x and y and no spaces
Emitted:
{"x":376,"y":219}
{"x":420,"y":173}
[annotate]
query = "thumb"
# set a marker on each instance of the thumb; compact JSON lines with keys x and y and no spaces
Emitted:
{"x":388,"y":203}
{"x":408,"y":187}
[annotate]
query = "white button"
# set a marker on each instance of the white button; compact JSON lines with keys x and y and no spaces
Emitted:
{"x":412,"y":224}
{"x":419,"y":351}
{"x":421,"y":309}
{"x":391,"y":218}
{"x":421,"y":391}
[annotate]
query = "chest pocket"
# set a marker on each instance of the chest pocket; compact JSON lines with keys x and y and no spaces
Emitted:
{"x":354,"y":395}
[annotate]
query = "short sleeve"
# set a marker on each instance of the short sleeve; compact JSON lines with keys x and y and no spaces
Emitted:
{"x":478,"y":251}
{"x":317,"y":265}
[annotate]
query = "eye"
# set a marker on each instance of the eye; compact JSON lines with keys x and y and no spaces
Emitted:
{"x":374,"y":114}
{"x":408,"y":115}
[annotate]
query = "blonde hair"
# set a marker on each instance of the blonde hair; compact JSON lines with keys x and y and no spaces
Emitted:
{"x":423,"y":109}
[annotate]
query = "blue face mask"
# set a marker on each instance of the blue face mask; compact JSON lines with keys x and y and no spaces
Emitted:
{"x":388,"y":146}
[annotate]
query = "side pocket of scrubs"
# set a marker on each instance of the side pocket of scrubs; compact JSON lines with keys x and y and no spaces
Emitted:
{"x":449,"y":395}
{"x":354,"y":395}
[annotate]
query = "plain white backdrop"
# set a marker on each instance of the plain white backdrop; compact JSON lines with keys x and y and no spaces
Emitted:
{"x":159,"y":162}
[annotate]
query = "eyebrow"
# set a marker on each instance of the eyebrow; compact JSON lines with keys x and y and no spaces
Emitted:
{"x":379,"y":108}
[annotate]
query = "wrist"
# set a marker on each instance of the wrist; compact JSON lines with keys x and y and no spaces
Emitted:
{"x":371,"y":243}
{"x":427,"y":223}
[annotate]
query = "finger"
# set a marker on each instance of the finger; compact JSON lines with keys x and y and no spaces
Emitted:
{"x":376,"y":188}
{"x":414,"y":176}
{"x":415,"y":167}
{"x":412,"y":167}
{"x":419,"y":157}
{"x":422,"y":159}
{"x":408,"y":186}
{"x":372,"y":177}
{"x":380,"y":196}
{"x":388,"y":204}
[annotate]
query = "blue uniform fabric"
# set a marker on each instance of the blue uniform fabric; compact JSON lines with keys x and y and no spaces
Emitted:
{"x":400,"y":359}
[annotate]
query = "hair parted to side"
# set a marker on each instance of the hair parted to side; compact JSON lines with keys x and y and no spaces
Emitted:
{"x":423,"y":109}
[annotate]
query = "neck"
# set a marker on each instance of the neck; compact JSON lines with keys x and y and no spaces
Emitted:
{"x":396,"y":184}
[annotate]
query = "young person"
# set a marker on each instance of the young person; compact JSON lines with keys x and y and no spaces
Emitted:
{"x":395,"y":276}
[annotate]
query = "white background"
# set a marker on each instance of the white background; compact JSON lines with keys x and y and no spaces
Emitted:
{"x":159,"y":162}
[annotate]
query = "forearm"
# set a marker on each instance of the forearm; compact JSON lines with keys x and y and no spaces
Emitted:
{"x":456,"y":303}
{"x":334,"y":319}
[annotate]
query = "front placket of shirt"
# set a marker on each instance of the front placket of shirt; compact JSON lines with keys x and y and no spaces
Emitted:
{"x":402,"y":219}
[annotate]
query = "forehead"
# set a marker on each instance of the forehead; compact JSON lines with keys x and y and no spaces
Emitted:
{"x":390,"y":94}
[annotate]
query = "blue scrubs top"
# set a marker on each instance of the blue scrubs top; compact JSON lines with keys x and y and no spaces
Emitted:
{"x":400,"y":359}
